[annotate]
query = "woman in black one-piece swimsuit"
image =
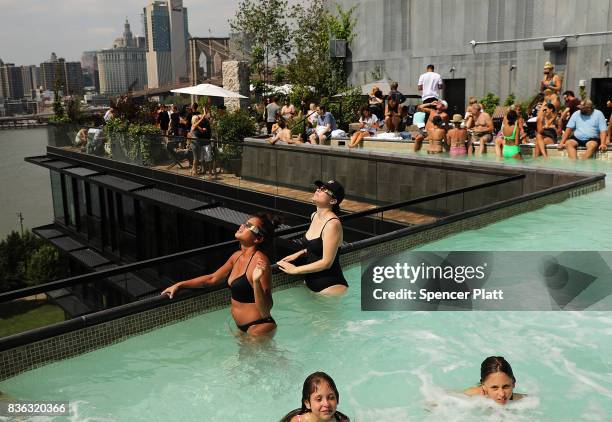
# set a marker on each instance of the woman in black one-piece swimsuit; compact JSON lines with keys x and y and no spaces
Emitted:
{"x":318,"y":257}
{"x":247,"y":273}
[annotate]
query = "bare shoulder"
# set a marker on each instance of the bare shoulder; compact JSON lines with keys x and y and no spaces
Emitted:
{"x":335,"y":223}
{"x":261,"y":255}
{"x":518,"y":396}
{"x":473,"y":391}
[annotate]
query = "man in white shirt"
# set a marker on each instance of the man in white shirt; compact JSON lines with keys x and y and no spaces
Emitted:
{"x":430,"y":84}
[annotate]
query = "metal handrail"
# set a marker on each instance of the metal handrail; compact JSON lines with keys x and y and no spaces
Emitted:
{"x":86,"y":278}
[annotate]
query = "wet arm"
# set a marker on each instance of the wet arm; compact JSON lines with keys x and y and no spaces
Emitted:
{"x":263,"y":293}
{"x":332,"y":237}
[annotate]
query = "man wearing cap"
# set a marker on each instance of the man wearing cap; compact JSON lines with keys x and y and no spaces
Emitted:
{"x":457,"y":138}
{"x":436,"y":108}
{"x":590,"y":131}
{"x":550,"y":85}
{"x":481,"y":126}
{"x":430,"y":84}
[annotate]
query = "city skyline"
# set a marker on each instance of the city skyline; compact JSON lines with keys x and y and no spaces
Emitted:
{"x":89,"y":25}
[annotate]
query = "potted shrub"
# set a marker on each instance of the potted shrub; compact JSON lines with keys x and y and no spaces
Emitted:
{"x":231,"y":129}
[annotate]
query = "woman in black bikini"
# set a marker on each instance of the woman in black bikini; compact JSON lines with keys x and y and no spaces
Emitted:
{"x":318,"y":257}
{"x":247,"y":273}
{"x":496,"y":381}
{"x":548,"y":129}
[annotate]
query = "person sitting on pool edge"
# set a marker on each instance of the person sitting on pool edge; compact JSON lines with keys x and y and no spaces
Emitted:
{"x":497,"y":381}
{"x":319,"y":260}
{"x":436,"y":136}
{"x":247,"y":273}
{"x":320,"y":399}
{"x":457,"y":138}
{"x":509,"y":147}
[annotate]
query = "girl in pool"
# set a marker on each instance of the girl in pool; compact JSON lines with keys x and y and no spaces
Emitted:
{"x":320,"y":398}
{"x":318,"y":258}
{"x":496,"y":381}
{"x":247,"y":273}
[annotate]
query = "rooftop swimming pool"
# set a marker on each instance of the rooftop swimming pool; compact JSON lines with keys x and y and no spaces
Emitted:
{"x":388,"y":366}
{"x":581,"y":223}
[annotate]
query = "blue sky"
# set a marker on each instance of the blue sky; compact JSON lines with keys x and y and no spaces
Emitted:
{"x":31,"y":29}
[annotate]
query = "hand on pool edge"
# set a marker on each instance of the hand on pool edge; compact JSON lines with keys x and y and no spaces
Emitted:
{"x":170,"y":291}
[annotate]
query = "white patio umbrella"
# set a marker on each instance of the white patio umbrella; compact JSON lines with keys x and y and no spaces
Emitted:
{"x":208,"y":90}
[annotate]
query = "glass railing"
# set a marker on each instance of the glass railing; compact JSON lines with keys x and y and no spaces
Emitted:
{"x":111,"y":286}
{"x":281,"y":172}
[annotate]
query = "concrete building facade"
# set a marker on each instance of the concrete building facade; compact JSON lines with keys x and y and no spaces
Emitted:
{"x":91,"y":74}
{"x":483,"y":45}
{"x":69,"y":75}
{"x":31,"y":80}
{"x":11,"y":81}
{"x":166,"y":34}
{"x":124,"y":67}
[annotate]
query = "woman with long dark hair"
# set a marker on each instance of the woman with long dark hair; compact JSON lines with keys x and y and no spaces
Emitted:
{"x":320,"y":399}
{"x":496,"y":381}
{"x":248,"y":277}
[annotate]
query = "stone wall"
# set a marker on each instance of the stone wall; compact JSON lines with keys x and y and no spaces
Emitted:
{"x":236,"y":78}
{"x":387,"y":178}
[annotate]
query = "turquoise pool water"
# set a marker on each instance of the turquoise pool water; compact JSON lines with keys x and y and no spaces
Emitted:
{"x":389,"y":366}
{"x":580,"y":223}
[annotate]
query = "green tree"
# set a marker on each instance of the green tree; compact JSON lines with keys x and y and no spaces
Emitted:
{"x":264,"y":23}
{"x":73,"y":110}
{"x":58,"y":106}
{"x":15,"y":253}
{"x":312,"y":64}
{"x":43,"y":266}
{"x":279,"y":74}
{"x":511,"y":99}
{"x":489,"y":102}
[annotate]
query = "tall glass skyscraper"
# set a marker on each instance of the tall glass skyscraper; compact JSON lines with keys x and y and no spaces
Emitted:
{"x":166,"y":33}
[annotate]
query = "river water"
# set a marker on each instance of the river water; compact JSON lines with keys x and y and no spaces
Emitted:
{"x":24,"y":187}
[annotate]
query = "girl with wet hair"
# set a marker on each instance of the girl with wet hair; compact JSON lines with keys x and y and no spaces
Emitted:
{"x":248,"y":276}
{"x":497,"y":381}
{"x":320,"y":399}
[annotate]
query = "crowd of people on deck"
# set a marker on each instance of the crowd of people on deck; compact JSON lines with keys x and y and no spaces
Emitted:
{"x":556,"y":118}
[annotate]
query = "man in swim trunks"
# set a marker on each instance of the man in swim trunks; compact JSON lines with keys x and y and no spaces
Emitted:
{"x":481,"y":126}
{"x":590,"y":131}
